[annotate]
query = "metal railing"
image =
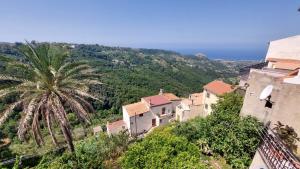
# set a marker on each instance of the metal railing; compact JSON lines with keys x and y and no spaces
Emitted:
{"x":275,"y":153}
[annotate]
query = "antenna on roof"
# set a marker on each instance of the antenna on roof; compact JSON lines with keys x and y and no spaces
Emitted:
{"x":266,"y":92}
{"x":161,"y":91}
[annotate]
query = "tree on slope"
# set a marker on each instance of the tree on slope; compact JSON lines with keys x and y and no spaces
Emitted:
{"x":45,"y":83}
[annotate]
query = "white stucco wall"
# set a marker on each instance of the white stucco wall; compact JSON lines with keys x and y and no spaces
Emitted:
{"x":174,"y":104}
{"x":126,"y":118}
{"x":287,"y":48}
{"x":285,"y":98}
{"x":158,"y":109}
{"x":212,"y":99}
{"x":258,"y":162}
{"x":140,"y":124}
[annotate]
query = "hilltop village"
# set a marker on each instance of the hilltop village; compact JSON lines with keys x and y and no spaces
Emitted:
{"x":251,"y":123}
{"x":271,"y":94}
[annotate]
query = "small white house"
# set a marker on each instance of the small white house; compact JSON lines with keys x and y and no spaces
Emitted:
{"x":150,"y":112}
{"x":211,"y":93}
{"x":190,"y":108}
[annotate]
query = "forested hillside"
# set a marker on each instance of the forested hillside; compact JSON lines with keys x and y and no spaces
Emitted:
{"x":129,"y":74}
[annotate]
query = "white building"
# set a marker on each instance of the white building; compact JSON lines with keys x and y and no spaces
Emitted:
{"x":150,"y":112}
{"x":281,"y":101}
{"x":211,"y":93}
{"x":190,"y":108}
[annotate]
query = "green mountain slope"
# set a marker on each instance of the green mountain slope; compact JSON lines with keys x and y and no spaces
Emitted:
{"x":129,"y":74}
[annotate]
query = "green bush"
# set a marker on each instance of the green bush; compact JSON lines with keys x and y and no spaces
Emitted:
{"x":90,"y":153}
{"x":162,"y":149}
{"x":226,"y":133}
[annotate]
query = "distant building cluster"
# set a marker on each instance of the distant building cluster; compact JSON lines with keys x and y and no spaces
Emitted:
{"x":271,"y":94}
{"x":141,"y":117}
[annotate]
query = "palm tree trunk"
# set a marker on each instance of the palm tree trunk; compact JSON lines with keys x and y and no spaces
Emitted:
{"x":49,"y":126}
{"x":68,"y":137}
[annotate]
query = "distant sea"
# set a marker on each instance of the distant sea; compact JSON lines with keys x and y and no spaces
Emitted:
{"x":226,"y":54}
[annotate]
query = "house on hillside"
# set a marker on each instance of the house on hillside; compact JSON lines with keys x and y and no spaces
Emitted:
{"x":190,"y":107}
{"x":115,"y":127}
{"x":211,"y":93}
{"x":150,"y":112}
{"x":273,"y":92}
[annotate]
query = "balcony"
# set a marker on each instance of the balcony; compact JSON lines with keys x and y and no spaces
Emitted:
{"x":274,"y":153}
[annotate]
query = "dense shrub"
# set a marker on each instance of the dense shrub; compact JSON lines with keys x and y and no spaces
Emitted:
{"x":162,"y":149}
{"x":90,"y":153}
{"x":226,"y":133}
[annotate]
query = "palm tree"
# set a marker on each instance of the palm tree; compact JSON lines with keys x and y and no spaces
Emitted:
{"x":47,"y":86}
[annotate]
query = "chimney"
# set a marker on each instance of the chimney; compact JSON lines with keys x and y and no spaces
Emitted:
{"x":161,"y":91}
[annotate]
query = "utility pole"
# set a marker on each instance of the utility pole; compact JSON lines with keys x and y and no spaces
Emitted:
{"x":135,"y":124}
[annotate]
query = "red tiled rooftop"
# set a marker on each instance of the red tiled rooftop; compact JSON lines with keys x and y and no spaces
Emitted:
{"x":170,"y":96}
{"x":218,"y":87}
{"x":156,"y":100}
{"x":136,"y":108}
{"x":115,"y":125}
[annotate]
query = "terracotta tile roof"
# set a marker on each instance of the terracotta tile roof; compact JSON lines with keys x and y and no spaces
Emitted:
{"x":171,"y":96}
{"x":116,"y":126}
{"x":136,"y":108}
{"x":218,"y":87}
{"x":197,"y":98}
{"x":156,"y":100}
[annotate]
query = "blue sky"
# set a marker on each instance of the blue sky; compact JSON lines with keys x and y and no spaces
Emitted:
{"x":169,"y":24}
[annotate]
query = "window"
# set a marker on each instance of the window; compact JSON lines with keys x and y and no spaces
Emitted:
{"x":269,"y":103}
{"x":206,"y":106}
{"x":207,"y":94}
{"x":160,"y":120}
{"x":153,"y":122}
{"x":141,"y":115}
{"x":163,"y":110}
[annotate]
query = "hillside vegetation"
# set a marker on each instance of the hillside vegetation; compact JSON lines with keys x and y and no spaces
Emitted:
{"x":129,"y":74}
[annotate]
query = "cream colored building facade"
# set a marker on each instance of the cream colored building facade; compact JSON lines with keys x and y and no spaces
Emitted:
{"x":190,"y":108}
{"x":282,"y":103}
{"x":209,"y":99}
{"x":212,"y":92}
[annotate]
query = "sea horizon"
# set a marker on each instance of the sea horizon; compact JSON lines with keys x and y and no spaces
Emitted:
{"x":225,"y":54}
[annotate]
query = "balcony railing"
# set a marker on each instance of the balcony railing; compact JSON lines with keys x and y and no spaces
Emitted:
{"x":275,"y":154}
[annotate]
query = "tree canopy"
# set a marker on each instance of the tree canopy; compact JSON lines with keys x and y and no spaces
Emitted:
{"x":44,"y":84}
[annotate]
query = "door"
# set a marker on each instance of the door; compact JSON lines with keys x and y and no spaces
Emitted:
{"x":153,"y":122}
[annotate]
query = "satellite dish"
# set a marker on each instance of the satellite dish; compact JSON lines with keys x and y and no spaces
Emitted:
{"x":266,"y":92}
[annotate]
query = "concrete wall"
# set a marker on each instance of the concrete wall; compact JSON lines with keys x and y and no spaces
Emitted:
{"x":212,"y":99}
{"x":158,"y":109}
{"x":252,"y":104}
{"x":126,"y":118}
{"x":258,"y":162}
{"x":286,"y":97}
{"x":175,"y":104}
{"x":187,"y":114}
{"x":140,"y":124}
